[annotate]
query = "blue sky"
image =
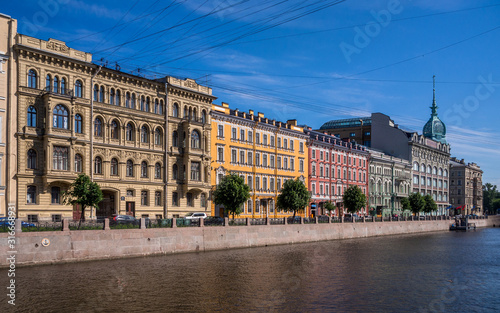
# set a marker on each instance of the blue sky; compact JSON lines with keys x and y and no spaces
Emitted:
{"x":309,"y":60}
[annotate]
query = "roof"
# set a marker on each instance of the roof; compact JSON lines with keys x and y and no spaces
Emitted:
{"x":348,"y":122}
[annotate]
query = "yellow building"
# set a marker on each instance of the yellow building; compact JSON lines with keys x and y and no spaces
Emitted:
{"x":264,"y":152}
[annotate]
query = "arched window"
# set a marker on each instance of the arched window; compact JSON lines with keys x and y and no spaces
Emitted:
{"x":78,"y":88}
{"x":148,"y":102}
{"x":143,"y":103}
{"x":175,"y":110}
{"x":440,"y":172}
{"x":422,"y":168}
{"x":31,"y":195}
{"x":32,"y":79}
{"x":98,"y":127}
{"x":434,"y":170}
{"x":115,"y":130}
{"x":445,"y":173}
{"x":144,"y":134}
{"x":60,"y":117}
{"x":118,"y":97}
{"x":175,"y":172}
{"x":56,"y":84}
{"x":130,"y":168}
{"x":130,"y":132}
{"x":144,"y":169}
{"x":127,"y":100}
{"x":429,"y":169}
{"x":112,"y":96}
{"x":132,"y":105}
{"x":31,"y":116}
{"x":101,"y":94}
{"x":175,"y":139}
{"x":203,"y":200}
{"x":415,"y":166}
{"x":63,"y":86}
{"x":97,"y":165}
{"x":78,"y":163}
{"x":158,"y":171}
{"x":156,"y":106}
{"x":158,"y":136}
{"x":185,"y":112}
{"x":96,"y":93}
{"x":160,"y":108}
{"x":31,"y":159}
{"x":114,"y":167}
{"x":195,"y":139}
{"x":78,"y":123}
{"x":203,"y":116}
{"x":48,"y":83}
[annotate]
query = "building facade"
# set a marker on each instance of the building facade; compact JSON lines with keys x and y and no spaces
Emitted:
{"x":466,"y":183}
{"x":264,"y":152}
{"x":389,"y":181}
{"x":334,"y":165}
{"x":124,"y":131}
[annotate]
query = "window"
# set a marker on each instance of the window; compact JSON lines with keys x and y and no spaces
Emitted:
{"x":195,"y":139}
{"x":129,"y":132}
{"x":233,"y":156}
{"x":101,"y":94}
{"x":158,"y":171}
{"x":264,"y":160}
{"x":242,"y":157}
{"x":415,"y":166}
{"x":78,"y":124}
{"x":60,"y":158}
{"x":195,"y":171}
{"x":272,"y":161}
{"x":144,"y":134}
{"x":271,"y":184}
{"x":31,"y":116}
{"x":157,"y":106}
{"x":445,"y":173}
{"x":203,"y":200}
{"x":301,"y":165}
{"x":292,"y":164}
{"x":114,"y":167}
{"x":220,"y":154}
{"x":249,"y":206}
{"x":175,"y":171}
{"x":130,"y":192}
{"x":144,"y":198}
{"x":96,"y":92}
{"x":32,"y":79}
{"x":220,"y":132}
{"x":257,"y":159}
{"x":158,"y":136}
{"x":189,"y":199}
{"x":112,"y":96}
{"x":157,"y":198}
{"x":48,"y":86}
{"x":144,"y":169}
{"x":98,"y":127}
{"x":257,"y":138}
{"x":118,"y":98}
{"x":175,"y":199}
{"x":98,"y":165}
{"x":143,"y":104}
{"x":148,"y":105}
{"x":115,"y":130}
{"x":78,"y":163}
{"x":175,"y":139}
{"x":264,"y":183}
{"x":133,"y":103}
{"x":233,"y":133}
{"x":31,"y":159}
{"x":313,"y":154}
{"x":56,"y":195}
{"x":285,"y":143}
{"x":60,"y":116}
{"x":249,"y":182}
{"x":31,"y":195}
{"x":301,"y":147}
{"x":250,"y":136}
{"x":127,"y":100}
{"x":56,"y":84}
{"x":264,"y":139}
{"x":257,"y":183}
{"x":249,"y":158}
{"x":242,"y":134}
{"x":291,"y":144}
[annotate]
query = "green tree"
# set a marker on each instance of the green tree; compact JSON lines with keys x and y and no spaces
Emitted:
{"x":232,"y":193}
{"x":430,"y":205}
{"x":354,"y":199}
{"x":405,"y":204}
{"x":294,"y":196}
{"x":417,"y":202}
{"x":489,"y":194}
{"x":330,"y":207}
{"x":83,"y":192}
{"x":496,"y":205}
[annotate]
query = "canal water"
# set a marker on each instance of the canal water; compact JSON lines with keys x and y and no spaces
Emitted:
{"x":433,"y":272}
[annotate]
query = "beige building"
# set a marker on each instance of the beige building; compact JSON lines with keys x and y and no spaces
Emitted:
{"x":8,"y":143}
{"x":77,"y":117}
{"x":466,"y":187}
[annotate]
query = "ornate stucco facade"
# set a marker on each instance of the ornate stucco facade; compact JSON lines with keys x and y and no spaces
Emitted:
{"x":390,"y":181}
{"x":76,"y":117}
{"x":466,"y":182}
{"x":264,"y":152}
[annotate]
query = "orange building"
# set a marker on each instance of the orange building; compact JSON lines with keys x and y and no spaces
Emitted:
{"x":264,"y":152}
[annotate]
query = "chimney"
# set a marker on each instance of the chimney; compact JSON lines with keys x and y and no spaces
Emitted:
{"x":225,"y":104}
{"x":236,"y":112}
{"x":244,"y":114}
{"x":260,"y":114}
{"x":292,"y":122}
{"x":250,"y":112}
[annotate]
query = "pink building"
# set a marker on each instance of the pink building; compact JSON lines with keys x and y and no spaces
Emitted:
{"x":334,"y":165}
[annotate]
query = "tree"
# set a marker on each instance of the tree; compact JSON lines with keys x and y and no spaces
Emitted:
{"x":294,"y":196}
{"x":354,"y":199}
{"x":405,"y":204}
{"x":430,"y":205}
{"x":496,"y":205}
{"x":83,"y":192}
{"x":330,"y":207}
{"x":417,"y":203}
{"x":232,"y":193}
{"x":489,"y":194}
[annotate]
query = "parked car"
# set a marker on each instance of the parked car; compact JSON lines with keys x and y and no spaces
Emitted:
{"x":124,"y":219}
{"x":4,"y":222}
{"x":195,"y":215}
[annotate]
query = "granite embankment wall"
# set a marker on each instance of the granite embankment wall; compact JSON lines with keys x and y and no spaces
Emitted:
{"x":72,"y":246}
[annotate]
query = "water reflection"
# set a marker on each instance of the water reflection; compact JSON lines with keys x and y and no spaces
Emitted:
{"x":438,"y":272}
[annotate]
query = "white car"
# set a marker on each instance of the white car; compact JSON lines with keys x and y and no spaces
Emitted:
{"x":195,"y":215}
